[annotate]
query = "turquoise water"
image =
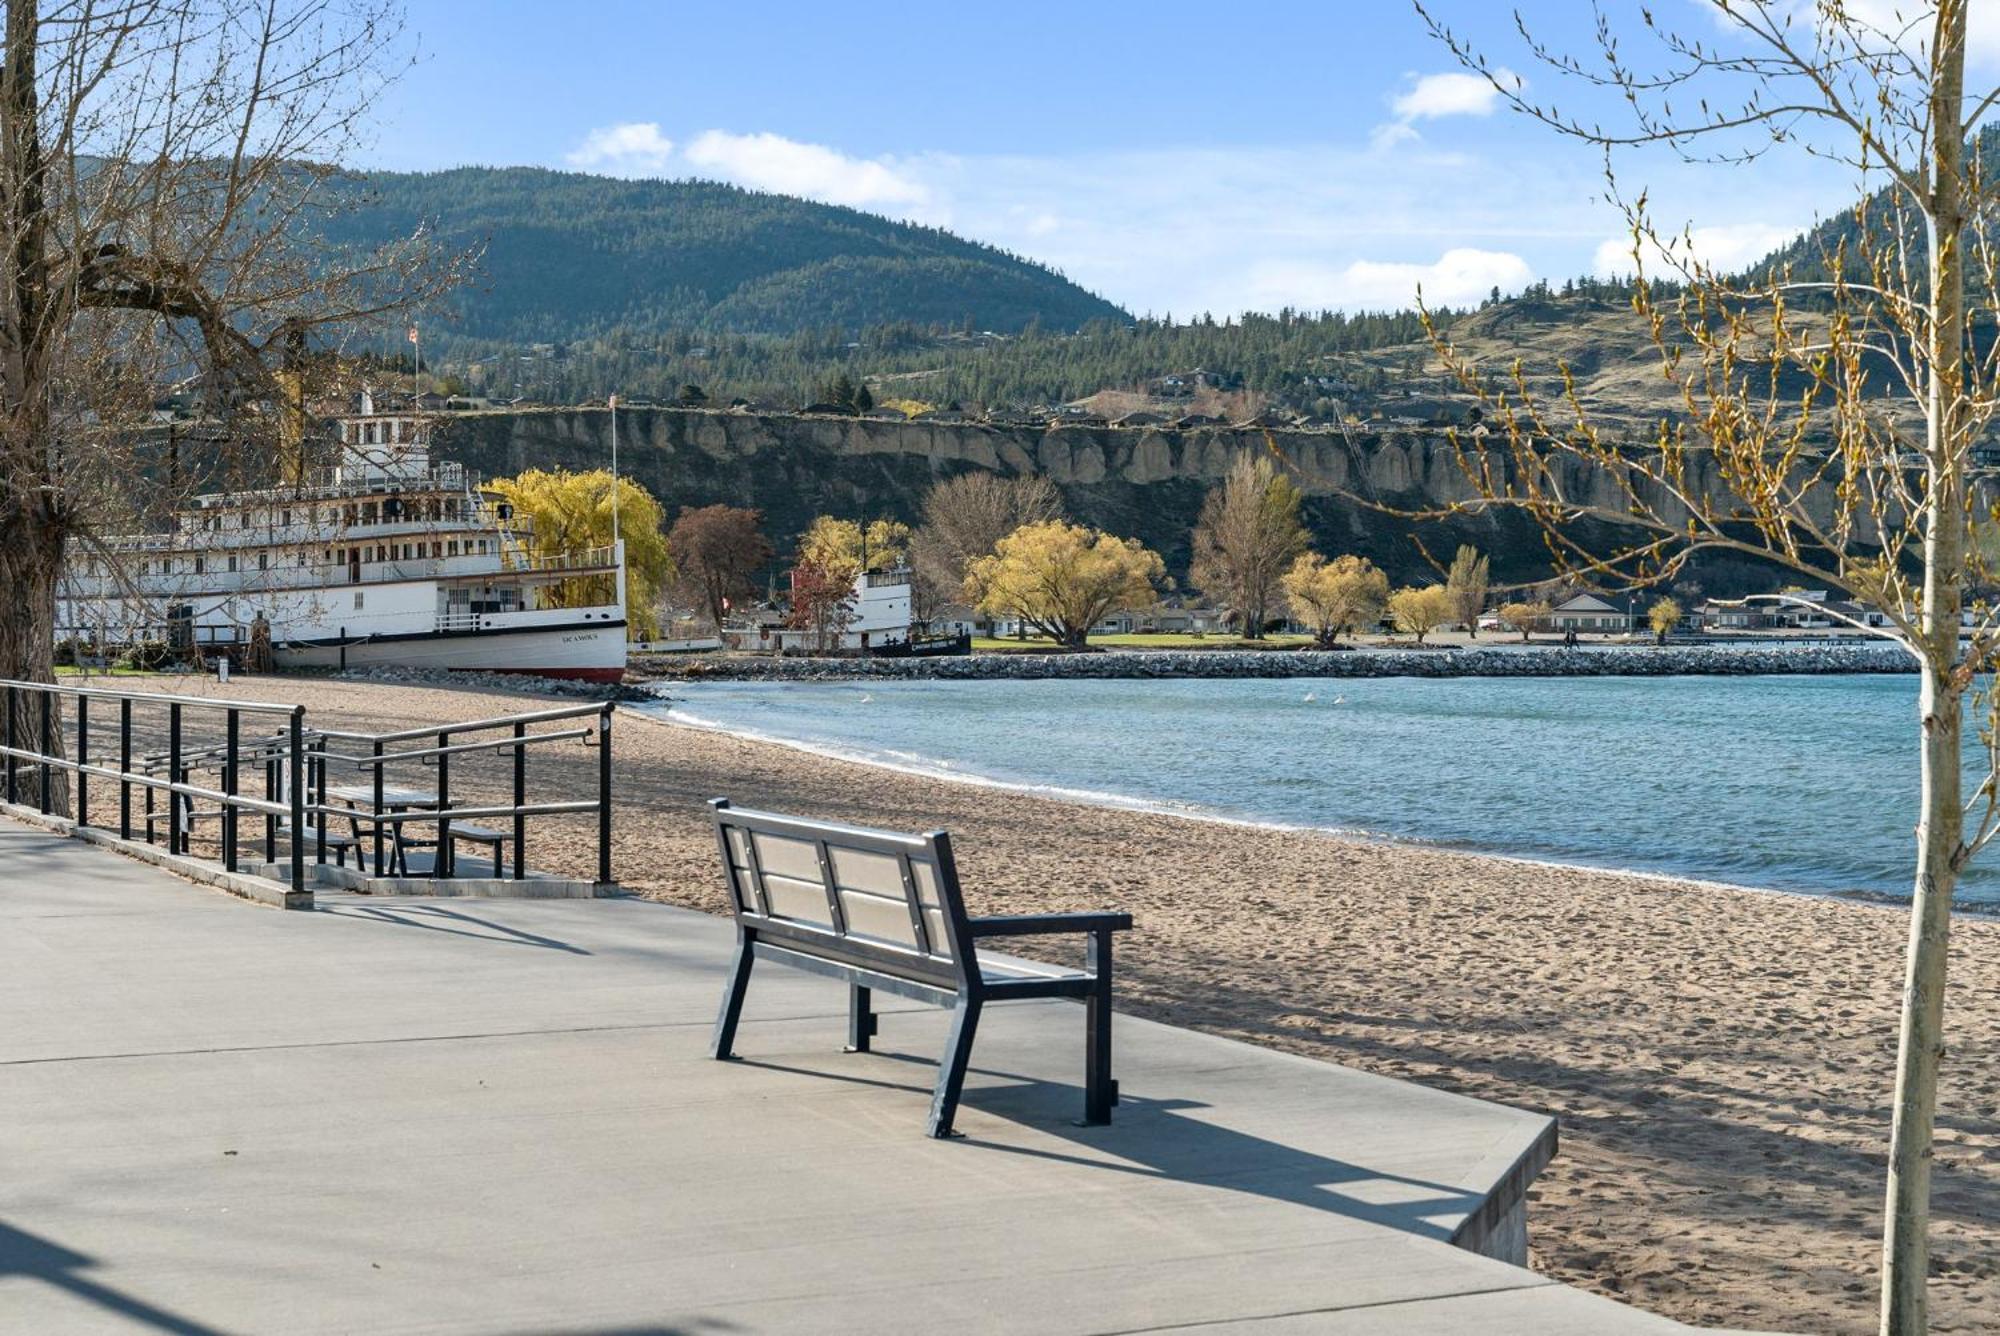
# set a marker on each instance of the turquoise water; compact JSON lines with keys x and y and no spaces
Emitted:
{"x":1792,"y":783}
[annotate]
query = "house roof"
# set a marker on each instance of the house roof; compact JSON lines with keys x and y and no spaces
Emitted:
{"x":1585,"y":603}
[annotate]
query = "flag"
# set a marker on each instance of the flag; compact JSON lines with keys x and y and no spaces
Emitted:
{"x":614,"y":401}
{"x":413,"y":333}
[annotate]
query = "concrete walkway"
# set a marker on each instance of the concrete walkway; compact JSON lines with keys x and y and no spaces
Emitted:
{"x":473,"y":1116}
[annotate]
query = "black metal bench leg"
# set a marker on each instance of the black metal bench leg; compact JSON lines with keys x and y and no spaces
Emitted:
{"x":723,"y":1045}
{"x":951,"y":1074}
{"x":860,"y":1017}
{"x":1100,"y":1092}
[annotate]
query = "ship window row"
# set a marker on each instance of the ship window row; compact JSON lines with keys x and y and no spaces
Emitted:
{"x":393,"y":510}
{"x":390,"y":431}
{"x":436,"y":548}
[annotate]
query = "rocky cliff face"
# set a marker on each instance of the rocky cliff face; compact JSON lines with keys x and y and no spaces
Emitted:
{"x":1145,"y":482}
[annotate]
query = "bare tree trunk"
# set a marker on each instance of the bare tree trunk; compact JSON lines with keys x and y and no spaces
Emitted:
{"x":28,"y":565}
{"x":1940,"y":825}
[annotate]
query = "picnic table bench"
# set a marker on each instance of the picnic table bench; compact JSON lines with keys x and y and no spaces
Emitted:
{"x":884,"y":910}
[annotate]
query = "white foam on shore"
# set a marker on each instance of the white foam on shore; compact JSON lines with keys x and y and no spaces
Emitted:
{"x":673,"y":714}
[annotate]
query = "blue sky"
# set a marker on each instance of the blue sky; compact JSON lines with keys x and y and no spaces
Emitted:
{"x":1175,"y":156}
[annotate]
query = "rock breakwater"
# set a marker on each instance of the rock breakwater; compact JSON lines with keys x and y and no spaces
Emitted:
{"x":1522,"y":661}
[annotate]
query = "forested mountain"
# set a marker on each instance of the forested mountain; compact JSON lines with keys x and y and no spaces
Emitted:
{"x":571,"y":257}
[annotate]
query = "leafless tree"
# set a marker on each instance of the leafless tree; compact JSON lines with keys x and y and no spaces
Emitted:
{"x":166,"y":168}
{"x":717,"y":552}
{"x":1828,"y":415}
{"x":1247,"y":538}
{"x":964,"y":518}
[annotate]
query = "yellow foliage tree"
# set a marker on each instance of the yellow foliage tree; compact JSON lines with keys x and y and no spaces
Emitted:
{"x":1523,"y":617}
{"x":1664,"y":616}
{"x":1332,"y":596}
{"x":836,"y":546}
{"x":1421,"y":611}
{"x":1062,"y":579}
{"x":570,"y":512}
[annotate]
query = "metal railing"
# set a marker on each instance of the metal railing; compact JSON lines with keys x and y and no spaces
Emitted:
{"x":296,"y":762}
{"x":153,"y":773}
{"x":377,"y":752}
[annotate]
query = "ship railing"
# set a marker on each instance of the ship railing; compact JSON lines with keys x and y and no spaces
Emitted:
{"x":377,"y":755}
{"x":580,"y":559}
{"x":39,"y":746}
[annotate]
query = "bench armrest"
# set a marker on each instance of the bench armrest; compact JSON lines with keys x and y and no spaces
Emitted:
{"x":1024,"y":925}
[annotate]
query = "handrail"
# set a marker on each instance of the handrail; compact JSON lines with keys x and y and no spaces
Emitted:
{"x":472,"y":726}
{"x":165,"y":698}
{"x":423,"y":814}
{"x":497,"y":744}
{"x":295,"y":762}
{"x":284,"y":765}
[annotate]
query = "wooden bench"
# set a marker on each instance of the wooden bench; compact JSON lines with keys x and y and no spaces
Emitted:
{"x":882,"y":910}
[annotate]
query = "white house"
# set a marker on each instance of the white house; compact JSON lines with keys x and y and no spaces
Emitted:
{"x":1588,"y":612}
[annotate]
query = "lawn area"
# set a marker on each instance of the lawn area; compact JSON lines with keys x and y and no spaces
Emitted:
{"x":1161,"y":640}
{"x":65,"y":670}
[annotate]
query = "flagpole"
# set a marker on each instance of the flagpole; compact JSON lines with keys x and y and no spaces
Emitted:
{"x":617,"y":541}
{"x":614,"y":469}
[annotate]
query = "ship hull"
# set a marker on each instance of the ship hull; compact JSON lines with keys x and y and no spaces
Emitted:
{"x":591,"y":653}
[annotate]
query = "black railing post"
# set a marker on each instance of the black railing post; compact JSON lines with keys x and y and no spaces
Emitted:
{"x":173,"y":777}
{"x":520,"y":801}
{"x":296,"y":788}
{"x":82,"y":760}
{"x":124,"y":767}
{"x":441,"y":864}
{"x":231,"y":781}
{"x":604,"y":794}
{"x":274,"y":780}
{"x":378,"y":809}
{"x":48,"y":747}
{"x":319,"y":802}
{"x":12,"y":794}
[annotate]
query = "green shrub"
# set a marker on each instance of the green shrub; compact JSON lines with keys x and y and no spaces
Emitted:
{"x":146,"y":656}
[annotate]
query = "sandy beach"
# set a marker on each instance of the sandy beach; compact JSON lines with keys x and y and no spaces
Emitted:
{"x":1720,"y":1060}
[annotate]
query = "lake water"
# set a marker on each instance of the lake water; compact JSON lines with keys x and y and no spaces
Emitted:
{"x":1792,"y":783}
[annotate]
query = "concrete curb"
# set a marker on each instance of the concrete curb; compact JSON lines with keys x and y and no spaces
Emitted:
{"x":258,"y":890}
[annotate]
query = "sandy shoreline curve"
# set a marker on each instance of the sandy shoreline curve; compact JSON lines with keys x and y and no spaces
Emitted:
{"x":1720,"y":1058}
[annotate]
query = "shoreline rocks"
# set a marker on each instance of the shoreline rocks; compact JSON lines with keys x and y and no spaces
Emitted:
{"x":1471,"y":661}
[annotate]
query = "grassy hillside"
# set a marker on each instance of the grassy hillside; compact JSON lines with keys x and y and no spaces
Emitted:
{"x":570,"y":256}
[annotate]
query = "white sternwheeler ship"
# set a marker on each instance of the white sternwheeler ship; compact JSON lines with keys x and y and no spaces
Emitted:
{"x":387,"y":558}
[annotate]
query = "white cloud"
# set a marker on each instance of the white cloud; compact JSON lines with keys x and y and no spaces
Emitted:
{"x":633,"y":148}
{"x":1455,"y":279}
{"x":1454,"y":94}
{"x":772,"y":162}
{"x":1431,"y":96}
{"x":1725,"y":246}
{"x":1391,"y":133}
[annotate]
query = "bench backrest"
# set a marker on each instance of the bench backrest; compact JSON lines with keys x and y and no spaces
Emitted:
{"x":847,"y":893}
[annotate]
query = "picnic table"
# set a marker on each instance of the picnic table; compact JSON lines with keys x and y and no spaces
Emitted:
{"x":361,"y":799}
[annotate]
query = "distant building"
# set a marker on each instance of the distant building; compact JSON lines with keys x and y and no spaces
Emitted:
{"x":878,"y":618}
{"x":1588,"y":612}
